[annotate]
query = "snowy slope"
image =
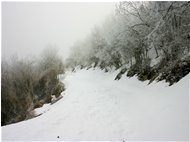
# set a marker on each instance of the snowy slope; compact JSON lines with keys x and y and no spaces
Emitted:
{"x":95,"y":107}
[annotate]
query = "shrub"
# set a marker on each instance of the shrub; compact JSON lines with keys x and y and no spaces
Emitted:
{"x":174,"y":72}
{"x":16,"y":91}
{"x":134,"y":69}
{"x":26,"y":85}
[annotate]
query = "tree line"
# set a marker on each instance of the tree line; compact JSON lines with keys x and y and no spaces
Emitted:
{"x":147,"y":39}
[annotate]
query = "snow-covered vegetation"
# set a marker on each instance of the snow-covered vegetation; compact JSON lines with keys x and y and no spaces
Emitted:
{"x":95,"y":107}
{"x":150,"y":39}
{"x":27,"y":84}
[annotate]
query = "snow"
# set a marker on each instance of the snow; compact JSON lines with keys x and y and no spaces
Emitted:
{"x":41,"y":110}
{"x":95,"y":107}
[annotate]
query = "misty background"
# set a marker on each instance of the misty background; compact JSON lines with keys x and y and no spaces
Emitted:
{"x":146,"y":41}
{"x":28,"y":27}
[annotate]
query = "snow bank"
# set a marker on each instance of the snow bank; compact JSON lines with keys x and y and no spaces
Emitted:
{"x":41,"y":110}
{"x":95,"y":107}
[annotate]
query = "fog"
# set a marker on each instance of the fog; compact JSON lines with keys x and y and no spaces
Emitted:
{"x":27,"y":28}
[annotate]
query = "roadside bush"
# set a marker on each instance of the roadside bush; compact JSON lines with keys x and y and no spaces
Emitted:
{"x":172,"y":73}
{"x":134,"y":69}
{"x":16,"y":91}
{"x":27,"y":84}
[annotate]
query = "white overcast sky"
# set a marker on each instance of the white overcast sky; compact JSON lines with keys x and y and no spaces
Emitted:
{"x":27,"y":28}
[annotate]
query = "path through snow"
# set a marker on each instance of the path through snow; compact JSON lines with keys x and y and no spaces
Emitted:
{"x":95,"y":107}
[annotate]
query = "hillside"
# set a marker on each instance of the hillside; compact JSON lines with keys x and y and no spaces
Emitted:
{"x":95,"y":107}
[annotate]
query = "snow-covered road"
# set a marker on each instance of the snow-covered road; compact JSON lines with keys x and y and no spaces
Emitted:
{"x":95,"y":107}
